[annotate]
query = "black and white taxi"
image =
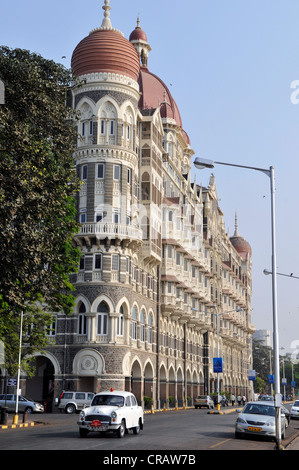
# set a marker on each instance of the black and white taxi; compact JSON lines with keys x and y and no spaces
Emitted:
{"x":115,"y":411}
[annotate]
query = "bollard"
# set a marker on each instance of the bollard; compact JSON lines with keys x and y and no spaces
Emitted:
{"x":164,"y":409}
{"x":15,"y":419}
{"x":152,"y":409}
{"x":176,"y":406}
{"x":3,"y":416}
{"x":25,"y":417}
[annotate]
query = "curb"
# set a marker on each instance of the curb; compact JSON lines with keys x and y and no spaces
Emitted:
{"x":14,"y":426}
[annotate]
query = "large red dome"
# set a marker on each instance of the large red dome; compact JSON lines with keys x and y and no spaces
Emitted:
{"x":105,"y":51}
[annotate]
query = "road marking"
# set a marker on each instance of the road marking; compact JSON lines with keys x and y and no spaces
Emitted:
{"x":219,"y":443}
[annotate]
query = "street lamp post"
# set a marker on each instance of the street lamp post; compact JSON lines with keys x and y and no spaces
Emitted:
{"x":201,"y":163}
{"x":15,"y":418}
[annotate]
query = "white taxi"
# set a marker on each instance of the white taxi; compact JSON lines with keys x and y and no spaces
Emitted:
{"x":115,"y":411}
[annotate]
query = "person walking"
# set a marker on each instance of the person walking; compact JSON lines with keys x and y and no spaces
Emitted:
{"x":239,"y":400}
{"x":233,"y":399}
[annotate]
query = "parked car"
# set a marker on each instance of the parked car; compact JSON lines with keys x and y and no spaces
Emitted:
{"x":258,"y":418}
{"x":295,"y":409}
{"x":71,"y":402}
{"x":284,"y":410}
{"x":266,"y":398}
{"x":115,"y":411}
{"x":203,"y":400}
{"x":25,"y":405}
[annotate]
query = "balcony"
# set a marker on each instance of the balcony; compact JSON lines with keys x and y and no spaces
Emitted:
{"x":102,"y":230}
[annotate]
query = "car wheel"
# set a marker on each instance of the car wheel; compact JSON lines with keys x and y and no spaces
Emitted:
{"x":28,"y":410}
{"x":121,"y":430}
{"x":238,"y":435}
{"x":70,"y":409}
{"x":137,"y":428}
{"x":283,"y":433}
{"x":196,"y":407}
{"x":83,"y":432}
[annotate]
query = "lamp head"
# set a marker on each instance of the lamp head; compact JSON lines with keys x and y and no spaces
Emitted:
{"x":202,"y":163}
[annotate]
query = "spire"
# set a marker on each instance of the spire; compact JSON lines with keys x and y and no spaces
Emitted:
{"x":236,"y":234}
{"x":106,"y":24}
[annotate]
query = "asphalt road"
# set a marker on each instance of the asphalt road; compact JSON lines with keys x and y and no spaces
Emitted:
{"x":180,"y":431}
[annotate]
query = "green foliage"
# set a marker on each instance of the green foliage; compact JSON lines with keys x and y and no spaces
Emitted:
{"x":37,"y":188}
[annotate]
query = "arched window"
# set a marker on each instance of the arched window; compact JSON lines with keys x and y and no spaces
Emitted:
{"x":82,"y":320}
{"x":150,"y":329}
{"x":134,"y":323}
{"x":102,"y":319}
{"x":120,"y":323}
{"x":142,"y":326}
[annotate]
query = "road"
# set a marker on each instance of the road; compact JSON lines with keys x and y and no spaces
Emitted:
{"x":175,"y":431}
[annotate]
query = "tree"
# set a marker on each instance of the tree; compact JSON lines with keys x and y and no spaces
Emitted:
{"x":37,"y":204}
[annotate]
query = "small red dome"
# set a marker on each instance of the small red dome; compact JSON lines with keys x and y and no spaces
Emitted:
{"x":138,"y":34}
{"x":105,"y":51}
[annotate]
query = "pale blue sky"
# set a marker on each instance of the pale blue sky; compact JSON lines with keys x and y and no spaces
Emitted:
{"x":229,"y":65}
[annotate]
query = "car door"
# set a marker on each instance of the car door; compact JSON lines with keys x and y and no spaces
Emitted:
{"x":134,"y":411}
{"x":22,"y":404}
{"x":80,"y":400}
{"x":10,"y":403}
{"x":128,"y":412}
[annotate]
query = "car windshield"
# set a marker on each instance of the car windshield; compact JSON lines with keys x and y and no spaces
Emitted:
{"x":111,"y":400}
{"x":296,"y":403}
{"x":258,"y":409}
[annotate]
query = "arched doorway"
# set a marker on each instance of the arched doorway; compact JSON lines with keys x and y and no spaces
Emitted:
{"x":40,"y":387}
{"x":136,"y":381}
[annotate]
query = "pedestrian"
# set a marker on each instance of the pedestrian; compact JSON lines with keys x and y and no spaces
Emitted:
{"x":233,"y":399}
{"x":239,"y":400}
{"x":243,"y":400}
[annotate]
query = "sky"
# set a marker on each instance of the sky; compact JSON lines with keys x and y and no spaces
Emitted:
{"x":233,"y":69}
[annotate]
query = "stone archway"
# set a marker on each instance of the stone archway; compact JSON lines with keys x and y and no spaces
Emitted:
{"x":40,"y":387}
{"x":148,"y":384}
{"x":136,"y":381}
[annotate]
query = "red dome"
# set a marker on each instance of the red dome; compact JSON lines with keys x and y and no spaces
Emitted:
{"x":241,"y":245}
{"x":155,"y":94}
{"x":138,"y":34}
{"x":105,"y":51}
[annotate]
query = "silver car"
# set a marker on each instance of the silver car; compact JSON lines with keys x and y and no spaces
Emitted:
{"x":203,"y":400}
{"x":25,"y":405}
{"x":258,"y":418}
{"x":295,"y":409}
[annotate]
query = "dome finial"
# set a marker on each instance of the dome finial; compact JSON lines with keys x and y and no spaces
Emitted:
{"x":106,"y":24}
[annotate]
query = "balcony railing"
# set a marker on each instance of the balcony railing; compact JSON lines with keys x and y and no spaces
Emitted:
{"x":103,"y":230}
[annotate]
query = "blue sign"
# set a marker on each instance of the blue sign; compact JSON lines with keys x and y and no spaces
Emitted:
{"x":217,"y":364}
{"x":251,"y":374}
{"x":271,"y":379}
{"x":11,"y":382}
{"x":293,"y":384}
